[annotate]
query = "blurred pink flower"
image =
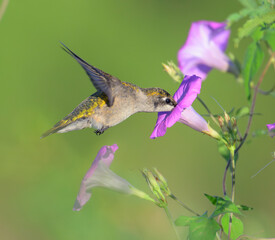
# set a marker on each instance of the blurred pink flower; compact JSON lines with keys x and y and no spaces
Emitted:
{"x":183,"y":112}
{"x":204,"y":49}
{"x":99,"y":175}
{"x":271,"y":129}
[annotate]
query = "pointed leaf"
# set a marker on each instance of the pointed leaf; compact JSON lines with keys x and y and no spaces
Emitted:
{"x":205,"y":228}
{"x":223,"y":205}
{"x":214,"y":199}
{"x":252,"y":62}
{"x":185,"y":221}
{"x":200,"y":227}
{"x":244,"y":208}
{"x":236,"y":226}
{"x":251,"y":24}
{"x":226,"y":207}
{"x":241,"y":112}
{"x":249,"y":3}
{"x":270,"y":38}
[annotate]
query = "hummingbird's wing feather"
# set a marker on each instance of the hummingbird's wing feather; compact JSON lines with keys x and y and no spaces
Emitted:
{"x":102,"y":81}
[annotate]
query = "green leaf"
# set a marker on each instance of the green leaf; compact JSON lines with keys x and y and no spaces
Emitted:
{"x":241,"y":112}
{"x":252,"y":62}
{"x":236,"y":226}
{"x":251,"y":24}
{"x":244,"y":208}
{"x":270,"y":38}
{"x":214,"y":199}
{"x":201,"y":227}
{"x":234,"y":17}
{"x":223,"y":205}
{"x":249,"y":3}
{"x":257,"y":34}
{"x":185,"y":221}
{"x":226,"y":207}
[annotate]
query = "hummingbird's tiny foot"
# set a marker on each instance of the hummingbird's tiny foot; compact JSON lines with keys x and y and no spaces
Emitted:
{"x":100,"y":131}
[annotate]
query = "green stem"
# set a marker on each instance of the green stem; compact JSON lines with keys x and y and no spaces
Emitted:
{"x":183,"y":205}
{"x":171,"y":221}
{"x":218,"y":236}
{"x":232,"y":157}
{"x":270,"y":61}
{"x":208,"y":110}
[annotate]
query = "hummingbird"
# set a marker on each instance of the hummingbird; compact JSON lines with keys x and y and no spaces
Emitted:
{"x":113,"y":102}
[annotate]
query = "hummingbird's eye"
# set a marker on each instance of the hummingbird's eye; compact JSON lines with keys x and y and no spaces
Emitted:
{"x":167,"y":100}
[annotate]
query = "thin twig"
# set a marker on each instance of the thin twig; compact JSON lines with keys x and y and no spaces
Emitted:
{"x":232,"y":157}
{"x":208,"y":110}
{"x":3,"y":8}
{"x":183,"y":205}
{"x":224,"y":177}
{"x":171,"y":221}
{"x":254,"y":101}
{"x":262,"y":168}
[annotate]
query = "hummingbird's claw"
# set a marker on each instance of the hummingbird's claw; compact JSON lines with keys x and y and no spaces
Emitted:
{"x":100,"y":131}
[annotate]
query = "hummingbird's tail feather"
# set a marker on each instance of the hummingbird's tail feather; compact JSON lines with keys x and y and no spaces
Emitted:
{"x":57,"y":127}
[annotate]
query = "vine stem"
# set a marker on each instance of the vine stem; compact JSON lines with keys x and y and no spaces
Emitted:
{"x":171,"y":221}
{"x":3,"y":8}
{"x":232,"y":160}
{"x":208,"y":110}
{"x":270,"y":61}
{"x":183,"y":205}
{"x":224,"y":177}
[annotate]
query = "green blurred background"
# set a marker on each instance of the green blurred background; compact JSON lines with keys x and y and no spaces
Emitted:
{"x":40,"y":84}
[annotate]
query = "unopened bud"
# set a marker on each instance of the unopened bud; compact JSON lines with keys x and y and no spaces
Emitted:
{"x":153,"y":184}
{"x":234,"y":122}
{"x":162,"y":182}
{"x":221,"y":121}
{"x":226,"y":117}
{"x":173,"y":71}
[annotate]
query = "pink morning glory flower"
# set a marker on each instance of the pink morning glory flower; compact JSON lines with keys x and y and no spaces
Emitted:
{"x":204,"y":49}
{"x":99,"y":175}
{"x":271,"y":129}
{"x":183,"y":112}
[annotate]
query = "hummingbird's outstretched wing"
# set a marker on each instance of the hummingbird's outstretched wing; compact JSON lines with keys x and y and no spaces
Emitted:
{"x":102,"y":81}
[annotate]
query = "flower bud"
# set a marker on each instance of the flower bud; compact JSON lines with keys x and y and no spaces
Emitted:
{"x":221,"y":121}
{"x":162,"y":182}
{"x":173,"y":71}
{"x":226,"y":117}
{"x":153,"y":184}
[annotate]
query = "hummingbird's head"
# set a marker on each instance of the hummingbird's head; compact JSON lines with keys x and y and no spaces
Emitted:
{"x":158,"y":100}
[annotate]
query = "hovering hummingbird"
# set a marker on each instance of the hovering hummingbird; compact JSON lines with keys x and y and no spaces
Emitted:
{"x":113,"y":102}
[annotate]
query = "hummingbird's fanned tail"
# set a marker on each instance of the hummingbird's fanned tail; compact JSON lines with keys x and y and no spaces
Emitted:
{"x":57,"y":127}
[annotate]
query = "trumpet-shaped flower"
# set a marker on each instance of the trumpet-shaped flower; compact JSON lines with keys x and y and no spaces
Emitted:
{"x":183,"y":112}
{"x":204,"y":49}
{"x":99,"y":175}
{"x":271,"y":129}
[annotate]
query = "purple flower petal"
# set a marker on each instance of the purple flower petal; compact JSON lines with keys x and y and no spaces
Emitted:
{"x":185,"y":96}
{"x":204,"y":49}
{"x":271,"y":129}
{"x":106,"y":156}
{"x":194,"y":120}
